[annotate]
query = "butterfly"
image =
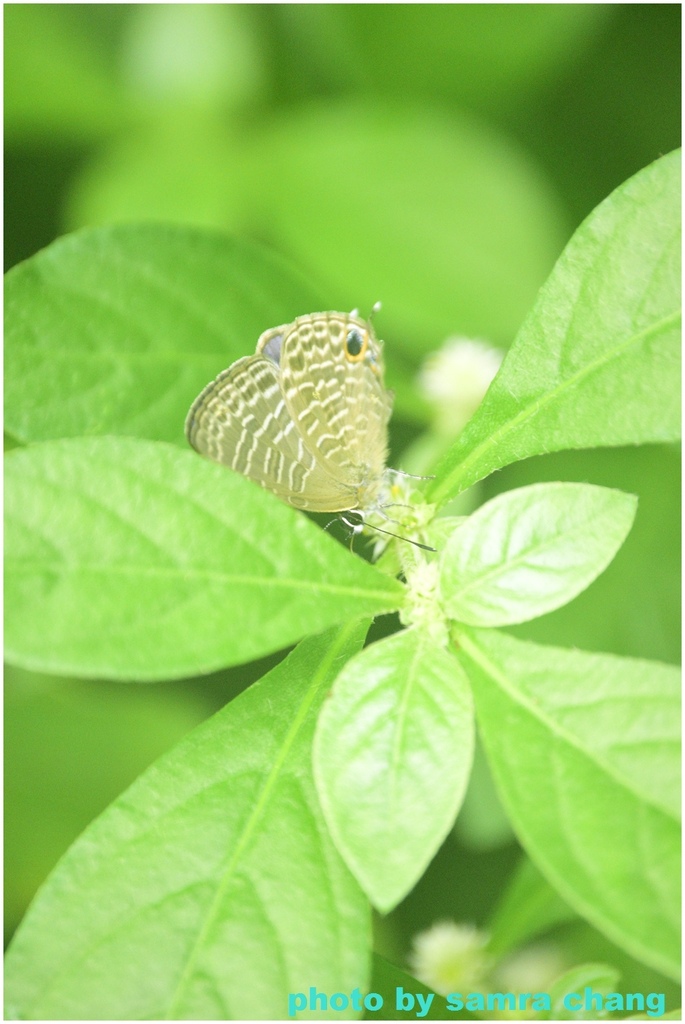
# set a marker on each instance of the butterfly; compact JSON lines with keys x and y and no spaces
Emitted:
{"x":306,"y":416}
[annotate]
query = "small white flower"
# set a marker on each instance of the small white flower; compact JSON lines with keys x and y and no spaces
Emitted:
{"x":450,"y":957}
{"x":531,"y":969}
{"x":422,"y":607}
{"x":455,"y":379}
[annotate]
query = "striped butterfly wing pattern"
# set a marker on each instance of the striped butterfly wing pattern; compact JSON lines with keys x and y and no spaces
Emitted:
{"x":254,"y":417}
{"x":332,"y":380}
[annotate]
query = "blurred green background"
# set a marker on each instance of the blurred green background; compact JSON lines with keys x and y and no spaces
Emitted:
{"x":437,"y":157}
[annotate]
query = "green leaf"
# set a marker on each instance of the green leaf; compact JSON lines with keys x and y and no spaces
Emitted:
{"x":528,"y":907}
{"x":671,"y":1015}
{"x":65,"y":762}
{"x":442,"y":218}
{"x":482,"y":824}
{"x":122,"y":183}
{"x":582,"y":943}
{"x":178,"y":56}
{"x":387,"y":979}
{"x":58,"y":86}
{"x":392,"y":756}
{"x":597,"y":360}
{"x":116,"y":330}
{"x":600,"y":978}
{"x":585,"y":751}
{"x":131,"y":559}
{"x":529,"y":551}
{"x":480,"y":55}
{"x":633,"y":608}
{"x":210,"y":889}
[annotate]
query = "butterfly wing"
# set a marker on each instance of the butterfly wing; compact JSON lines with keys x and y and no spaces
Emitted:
{"x":241,"y":420}
{"x":332,"y":381}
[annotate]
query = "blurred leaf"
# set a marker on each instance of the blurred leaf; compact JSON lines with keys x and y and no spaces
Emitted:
{"x":615,"y":109}
{"x":392,"y":756}
{"x":141,"y":561}
{"x":304,"y":38}
{"x":634,"y":607}
{"x":181,"y":169}
{"x":581,"y":943}
{"x":600,"y":978}
{"x":529,"y":551}
{"x":528,"y":907}
{"x":117,"y":330}
{"x":408,"y":404}
{"x":387,"y":978}
{"x":597,"y":360}
{"x":671,"y":1015}
{"x":60,"y":84}
{"x":191,"y":55}
{"x":181,"y":900}
{"x":65,"y":761}
{"x":484,"y":55}
{"x":57,"y":84}
{"x":445,"y":221}
{"x":482,"y":823}
{"x":585,"y":751}
{"x":479,"y":210}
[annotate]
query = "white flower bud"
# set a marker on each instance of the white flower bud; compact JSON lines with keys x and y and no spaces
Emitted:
{"x":455,"y":378}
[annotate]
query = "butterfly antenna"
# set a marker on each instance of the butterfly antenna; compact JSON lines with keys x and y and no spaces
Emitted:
{"x":377,"y":306}
{"x":416,"y":543}
{"x":412,"y":476}
{"x":358,"y":527}
{"x":393,"y":504}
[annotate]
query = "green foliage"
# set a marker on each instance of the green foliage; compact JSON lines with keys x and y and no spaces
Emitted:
{"x":597,"y":360}
{"x":385,"y":980}
{"x":129,"y":324}
{"x":146,"y":562}
{"x":284,"y":184}
{"x":392,"y":758}
{"x":348,"y":139}
{"x":488,"y":55}
{"x":436,"y":172}
{"x":173,"y":901}
{"x":528,"y":908}
{"x":599,"y":977}
{"x":588,"y":769}
{"x":70,"y":749}
{"x":80,"y":101}
{"x":529,"y":551}
{"x":634,"y":607}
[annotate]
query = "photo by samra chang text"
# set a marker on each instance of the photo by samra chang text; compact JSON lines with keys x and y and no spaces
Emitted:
{"x":653,"y":1004}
